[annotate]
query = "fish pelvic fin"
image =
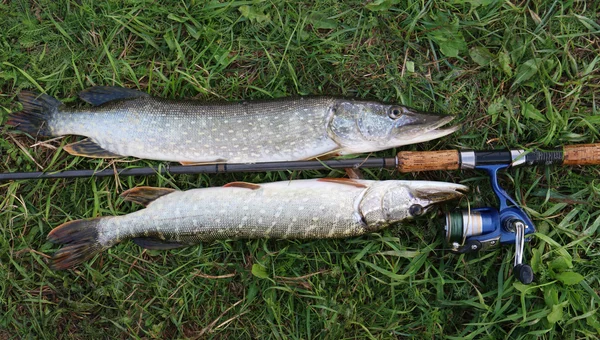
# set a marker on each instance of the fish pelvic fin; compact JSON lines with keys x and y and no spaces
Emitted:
{"x":88,"y":148}
{"x":325,"y":155}
{"x":154,"y":244}
{"x":145,"y":195}
{"x":37,"y":109}
{"x":99,"y":95}
{"x":215,"y":161}
{"x":80,"y":240}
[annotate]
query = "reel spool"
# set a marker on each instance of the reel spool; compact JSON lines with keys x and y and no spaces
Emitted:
{"x":473,"y":230}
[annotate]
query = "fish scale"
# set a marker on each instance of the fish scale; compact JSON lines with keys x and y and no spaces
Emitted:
{"x":127,"y":122}
{"x":191,"y":131}
{"x":280,"y":210}
{"x":298,"y":209}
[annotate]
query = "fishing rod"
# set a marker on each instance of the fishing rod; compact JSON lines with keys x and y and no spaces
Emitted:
{"x":467,"y":230}
{"x":405,"y":161}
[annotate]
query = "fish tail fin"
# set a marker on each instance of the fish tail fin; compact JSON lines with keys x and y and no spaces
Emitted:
{"x":37,"y":109}
{"x":81,"y":242}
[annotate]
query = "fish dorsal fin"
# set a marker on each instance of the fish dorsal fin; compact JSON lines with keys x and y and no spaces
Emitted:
{"x":88,"y":148}
{"x":154,"y":244}
{"x":347,"y":181}
{"x":145,"y":195}
{"x":99,"y":95}
{"x":246,"y":185}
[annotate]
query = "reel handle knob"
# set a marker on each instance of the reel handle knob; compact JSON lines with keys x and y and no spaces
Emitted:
{"x":523,"y":273}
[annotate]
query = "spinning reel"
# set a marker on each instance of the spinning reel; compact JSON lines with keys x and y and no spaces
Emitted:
{"x":473,"y":230}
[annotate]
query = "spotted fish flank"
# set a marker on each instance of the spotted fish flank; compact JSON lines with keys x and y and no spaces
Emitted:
{"x":128,"y":122}
{"x":301,"y":209}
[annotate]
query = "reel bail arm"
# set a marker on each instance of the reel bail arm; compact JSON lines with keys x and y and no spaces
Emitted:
{"x":472,"y":230}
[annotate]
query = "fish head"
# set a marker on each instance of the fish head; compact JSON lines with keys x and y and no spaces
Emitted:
{"x":394,"y":201}
{"x":409,"y":199}
{"x":363,"y":126}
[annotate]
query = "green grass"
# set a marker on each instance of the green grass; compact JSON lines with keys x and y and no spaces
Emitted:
{"x":516,"y":74}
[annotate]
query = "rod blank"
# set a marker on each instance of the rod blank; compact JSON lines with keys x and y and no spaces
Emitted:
{"x":208,"y":169}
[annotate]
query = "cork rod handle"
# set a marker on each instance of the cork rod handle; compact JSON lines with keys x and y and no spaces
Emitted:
{"x":413,"y":161}
{"x":582,"y":154}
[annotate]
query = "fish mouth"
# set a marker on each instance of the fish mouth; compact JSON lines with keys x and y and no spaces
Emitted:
{"x":426,"y":130}
{"x":430,"y":193}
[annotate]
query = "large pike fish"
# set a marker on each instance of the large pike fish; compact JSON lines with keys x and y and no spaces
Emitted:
{"x":299,"y":209}
{"x":128,"y":122}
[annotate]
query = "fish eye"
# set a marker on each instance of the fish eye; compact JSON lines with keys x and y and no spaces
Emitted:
{"x":416,"y":210}
{"x":395,"y":112}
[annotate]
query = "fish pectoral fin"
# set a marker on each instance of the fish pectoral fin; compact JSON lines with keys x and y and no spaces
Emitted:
{"x":152,"y":243}
{"x":325,"y":156}
{"x":88,"y":148}
{"x":246,"y":185}
{"x":99,"y":95}
{"x":354,"y":173}
{"x":347,"y":181}
{"x":216,"y":161}
{"x":145,"y":195}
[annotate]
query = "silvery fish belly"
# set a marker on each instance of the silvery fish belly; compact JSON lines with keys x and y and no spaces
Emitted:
{"x":301,"y":209}
{"x":126,"y":122}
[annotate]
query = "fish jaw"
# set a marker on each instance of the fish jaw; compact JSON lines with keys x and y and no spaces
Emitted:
{"x":424,"y":128}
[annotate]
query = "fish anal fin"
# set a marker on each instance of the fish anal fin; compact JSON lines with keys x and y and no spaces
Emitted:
{"x":347,"y":181}
{"x":145,"y":195}
{"x":99,"y":95}
{"x":88,"y":148}
{"x":154,"y":244}
{"x":246,"y":185}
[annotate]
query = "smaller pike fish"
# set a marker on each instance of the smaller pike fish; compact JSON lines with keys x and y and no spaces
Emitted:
{"x":128,"y":122}
{"x":300,"y":209}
